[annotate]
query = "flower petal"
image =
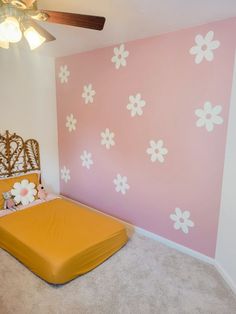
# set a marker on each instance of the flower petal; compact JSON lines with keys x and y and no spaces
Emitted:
{"x":14,"y":192}
{"x":199,"y":57}
{"x":177,"y":225}
{"x":114,"y":59}
{"x":153,"y":144}
{"x":178,"y":212}
{"x":200,"y":123}
{"x":200,"y":113}
{"x":132,"y":99}
{"x":118,"y":64}
{"x":31,"y":185}
{"x":186,"y":214}
{"x":209,"y":55}
{"x":217,"y":120}
{"x":199,"y":40}
{"x":173,"y":217}
{"x":209,"y":125}
{"x":160,"y":158}
{"x":189,"y":223}
{"x":138,"y":97}
{"x":17,"y":185}
{"x":214,"y":44}
{"x":125,"y":54}
{"x":160,"y":144}
{"x":194,"y":50}
{"x":184,"y":228}
{"x":209,"y":36}
{"x":139,"y":111}
{"x":207,"y":107}
{"x":117,"y":188}
{"x":122,"y":48}
{"x":217,"y":109}
{"x":30,"y":198}
{"x":24,"y":183}
{"x":164,"y":151}
{"x":129,"y":106}
{"x":116,"y":51}
{"x":17,"y":199}
{"x":154,"y":157}
{"x":123,"y":62}
{"x":24,"y":201}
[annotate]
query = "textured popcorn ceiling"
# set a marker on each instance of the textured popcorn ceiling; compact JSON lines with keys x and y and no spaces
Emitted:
{"x":129,"y":20}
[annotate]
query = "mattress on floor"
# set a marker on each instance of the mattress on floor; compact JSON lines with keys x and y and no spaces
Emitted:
{"x":59,"y":240}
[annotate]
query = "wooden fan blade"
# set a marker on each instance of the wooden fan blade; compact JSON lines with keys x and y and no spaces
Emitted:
{"x":73,"y":19}
{"x":41,"y":31}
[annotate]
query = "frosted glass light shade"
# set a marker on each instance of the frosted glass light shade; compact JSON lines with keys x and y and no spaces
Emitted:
{"x":10,"y":30}
{"x":2,"y":37}
{"x":34,"y":38}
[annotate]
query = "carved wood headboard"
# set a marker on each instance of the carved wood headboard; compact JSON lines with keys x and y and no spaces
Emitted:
{"x":18,"y":156}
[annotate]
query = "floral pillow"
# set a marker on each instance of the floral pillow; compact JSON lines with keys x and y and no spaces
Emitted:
{"x":24,"y":192}
{"x":7,"y":184}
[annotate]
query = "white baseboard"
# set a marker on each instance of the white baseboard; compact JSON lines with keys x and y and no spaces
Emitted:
{"x":190,"y":252}
{"x":131,"y":229}
{"x":176,"y":246}
{"x":225,"y":276}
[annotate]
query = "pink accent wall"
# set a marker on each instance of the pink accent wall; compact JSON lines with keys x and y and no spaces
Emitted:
{"x":173,"y":86}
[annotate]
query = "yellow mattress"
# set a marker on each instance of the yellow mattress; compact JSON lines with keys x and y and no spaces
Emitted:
{"x":59,"y":240}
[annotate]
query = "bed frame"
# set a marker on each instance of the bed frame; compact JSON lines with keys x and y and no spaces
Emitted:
{"x":18,"y":156}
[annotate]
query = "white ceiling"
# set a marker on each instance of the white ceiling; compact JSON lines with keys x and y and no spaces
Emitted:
{"x":128,"y":20}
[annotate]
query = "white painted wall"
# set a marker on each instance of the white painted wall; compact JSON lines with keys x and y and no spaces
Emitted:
{"x":28,"y":105}
{"x":226,"y":242}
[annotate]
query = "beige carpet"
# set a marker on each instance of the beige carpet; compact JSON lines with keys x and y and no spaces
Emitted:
{"x":144,"y":277}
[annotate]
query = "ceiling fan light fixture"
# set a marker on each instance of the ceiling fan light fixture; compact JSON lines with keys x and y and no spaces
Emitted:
{"x":33,"y":38}
{"x":17,"y":19}
{"x":10,"y":30}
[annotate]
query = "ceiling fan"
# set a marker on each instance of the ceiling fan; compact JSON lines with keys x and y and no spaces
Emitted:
{"x":18,"y":17}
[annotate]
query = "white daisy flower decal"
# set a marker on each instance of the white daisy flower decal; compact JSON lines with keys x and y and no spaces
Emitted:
{"x":107,"y":138}
{"x":209,"y":116}
{"x":88,"y":94}
{"x":136,"y":103}
{"x":120,"y":55}
{"x":71,"y":123}
{"x":121,"y":184}
{"x":86,"y":159}
{"x":204,"y":47}
{"x":64,"y":74}
{"x":65,"y":174}
{"x":24,"y":192}
{"x":157,"y":151}
{"x":182,"y":220}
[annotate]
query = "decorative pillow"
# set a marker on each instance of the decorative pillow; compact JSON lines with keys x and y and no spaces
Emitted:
{"x":24,"y":190}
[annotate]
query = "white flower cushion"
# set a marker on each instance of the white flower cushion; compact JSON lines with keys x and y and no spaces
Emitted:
{"x":24,"y":192}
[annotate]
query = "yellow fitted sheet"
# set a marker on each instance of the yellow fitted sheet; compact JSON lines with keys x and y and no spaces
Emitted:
{"x":59,"y":240}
